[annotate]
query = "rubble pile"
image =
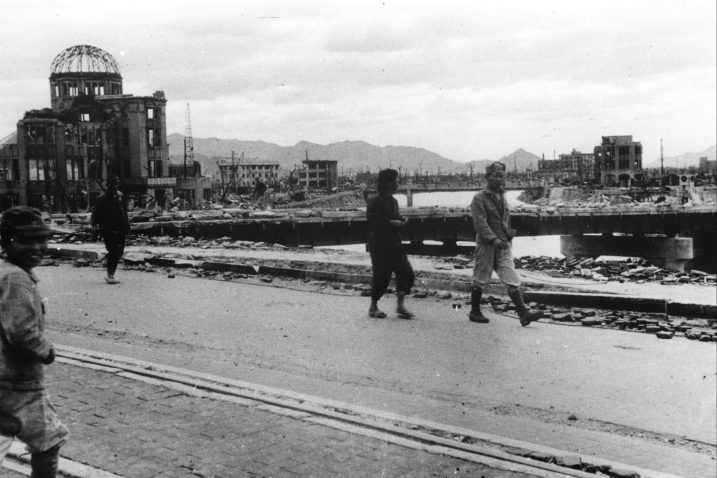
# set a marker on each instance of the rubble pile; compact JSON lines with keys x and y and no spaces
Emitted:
{"x":81,"y":237}
{"x":201,"y":243}
{"x":659,"y":324}
{"x":664,"y":327}
{"x":613,"y":269}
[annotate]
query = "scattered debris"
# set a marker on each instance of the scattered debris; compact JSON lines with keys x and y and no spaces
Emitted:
{"x":606,"y":268}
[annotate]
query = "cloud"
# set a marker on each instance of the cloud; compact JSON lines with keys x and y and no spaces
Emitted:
{"x":464,"y":78}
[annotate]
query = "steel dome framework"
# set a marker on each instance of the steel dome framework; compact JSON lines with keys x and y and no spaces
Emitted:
{"x":85,"y":59}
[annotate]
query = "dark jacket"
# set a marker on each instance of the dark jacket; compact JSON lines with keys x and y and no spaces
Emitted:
{"x":23,"y":345}
{"x":110,"y":213}
{"x":382,"y":235}
{"x":491,"y":217}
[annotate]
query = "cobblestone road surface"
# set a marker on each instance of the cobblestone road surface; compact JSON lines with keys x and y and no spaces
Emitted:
{"x":136,"y":429}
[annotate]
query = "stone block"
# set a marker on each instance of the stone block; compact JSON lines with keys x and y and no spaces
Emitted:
{"x":563,"y":317}
{"x":692,"y":334}
{"x":569,"y":461}
{"x":624,"y":473}
{"x":665,"y":335}
{"x":137,"y":258}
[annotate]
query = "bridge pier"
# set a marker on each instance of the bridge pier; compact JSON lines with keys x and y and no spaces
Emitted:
{"x":667,"y":252}
{"x":705,"y":251}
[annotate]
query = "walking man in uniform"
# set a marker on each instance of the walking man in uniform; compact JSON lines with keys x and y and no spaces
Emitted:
{"x":384,"y":243}
{"x":109,"y":218}
{"x":491,"y":221}
{"x":26,"y":411}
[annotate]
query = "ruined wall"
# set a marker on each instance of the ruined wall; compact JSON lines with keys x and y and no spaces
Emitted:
{"x":348,"y":199}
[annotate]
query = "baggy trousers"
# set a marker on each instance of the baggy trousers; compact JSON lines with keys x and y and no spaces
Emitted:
{"x":385,"y":262}
{"x":114,"y":243}
{"x":489,"y":258}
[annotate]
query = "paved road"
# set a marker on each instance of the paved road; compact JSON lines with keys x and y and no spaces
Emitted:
{"x":615,"y":394}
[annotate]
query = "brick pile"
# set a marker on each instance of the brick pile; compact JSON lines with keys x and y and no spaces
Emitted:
{"x":662,"y":326}
{"x":613,"y":269}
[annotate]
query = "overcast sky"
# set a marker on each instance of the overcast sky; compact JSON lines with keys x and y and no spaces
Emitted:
{"x":465,"y":79}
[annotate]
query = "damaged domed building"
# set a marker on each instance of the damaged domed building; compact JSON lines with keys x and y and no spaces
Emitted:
{"x":62,"y":155}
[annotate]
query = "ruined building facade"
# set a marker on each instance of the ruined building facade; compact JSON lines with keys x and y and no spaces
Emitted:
{"x":575,"y":166}
{"x":618,"y":161}
{"x":318,"y":174}
{"x":63,"y":154}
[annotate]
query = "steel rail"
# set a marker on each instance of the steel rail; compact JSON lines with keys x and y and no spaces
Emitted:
{"x":418,"y":434}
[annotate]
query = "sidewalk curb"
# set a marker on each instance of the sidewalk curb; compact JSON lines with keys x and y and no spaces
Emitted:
{"x":300,"y":270}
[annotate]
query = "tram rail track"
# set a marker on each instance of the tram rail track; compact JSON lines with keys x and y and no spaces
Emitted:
{"x":431,"y":437}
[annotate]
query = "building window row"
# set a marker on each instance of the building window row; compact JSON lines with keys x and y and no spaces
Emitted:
{"x":40,"y":134}
{"x":41,"y":169}
{"x":95,"y":88}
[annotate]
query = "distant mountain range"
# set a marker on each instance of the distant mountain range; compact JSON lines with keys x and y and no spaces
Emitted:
{"x":352,"y":156}
{"x":684,"y":160}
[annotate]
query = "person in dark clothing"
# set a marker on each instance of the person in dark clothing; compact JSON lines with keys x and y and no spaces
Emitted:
{"x":259,"y":188}
{"x":384,"y":244}
{"x":110,"y":220}
{"x":26,"y":411}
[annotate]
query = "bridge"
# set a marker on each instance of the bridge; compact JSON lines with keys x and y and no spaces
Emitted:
{"x":409,"y":189}
{"x":676,"y":224}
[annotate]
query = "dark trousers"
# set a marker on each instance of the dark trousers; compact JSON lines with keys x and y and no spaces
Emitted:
{"x":387,"y":262}
{"x":114,"y":243}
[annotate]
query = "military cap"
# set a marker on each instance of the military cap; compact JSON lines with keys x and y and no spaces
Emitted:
{"x":24,"y":220}
{"x":494,"y":167}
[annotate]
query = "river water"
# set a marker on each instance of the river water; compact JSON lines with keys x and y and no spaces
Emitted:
{"x":522,"y":245}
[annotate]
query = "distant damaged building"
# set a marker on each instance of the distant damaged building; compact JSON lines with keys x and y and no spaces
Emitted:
{"x":618,"y":161}
{"x":318,"y":174}
{"x":93,"y":129}
{"x":576,"y":166}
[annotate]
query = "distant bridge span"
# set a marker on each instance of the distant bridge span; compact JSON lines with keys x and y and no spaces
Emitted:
{"x":695,"y":226}
{"x":446,"y":225}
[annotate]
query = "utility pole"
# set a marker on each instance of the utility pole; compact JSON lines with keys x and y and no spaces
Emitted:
{"x":662,"y":160}
{"x":188,"y":142}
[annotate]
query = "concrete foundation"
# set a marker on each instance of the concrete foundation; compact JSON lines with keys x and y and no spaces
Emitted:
{"x":671,"y":253}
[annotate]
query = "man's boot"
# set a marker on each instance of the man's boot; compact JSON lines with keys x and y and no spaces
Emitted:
{"x":44,"y":464}
{"x":525,"y":315}
{"x":475,"y":314}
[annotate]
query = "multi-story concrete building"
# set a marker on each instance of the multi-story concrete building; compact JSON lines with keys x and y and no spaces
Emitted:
{"x":708,"y":166}
{"x":10,"y":182}
{"x":318,"y":174}
{"x":618,"y":161}
{"x":192,"y":187}
{"x":574,"y":166}
{"x":93,"y":129}
{"x":240,"y":176}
